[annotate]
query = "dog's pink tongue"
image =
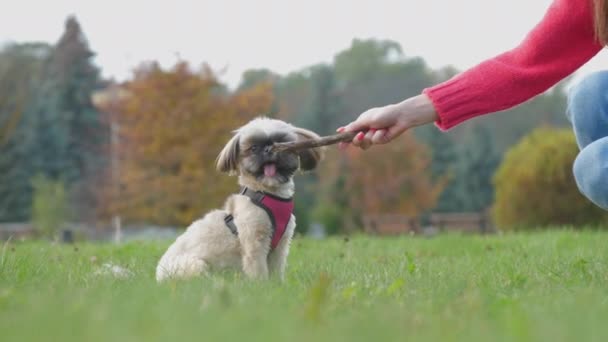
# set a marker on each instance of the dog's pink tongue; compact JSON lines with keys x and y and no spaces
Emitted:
{"x":270,"y":170}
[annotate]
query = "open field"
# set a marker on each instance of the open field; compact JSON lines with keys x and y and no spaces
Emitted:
{"x":549,"y":286}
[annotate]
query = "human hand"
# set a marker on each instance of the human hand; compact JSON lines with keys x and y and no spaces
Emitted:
{"x":383,"y":124}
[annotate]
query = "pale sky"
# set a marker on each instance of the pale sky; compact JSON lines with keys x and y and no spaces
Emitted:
{"x":280,"y":35}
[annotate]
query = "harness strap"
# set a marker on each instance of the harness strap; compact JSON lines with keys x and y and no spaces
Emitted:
{"x":260,"y":199}
{"x":256,"y":197}
{"x":229,"y":219}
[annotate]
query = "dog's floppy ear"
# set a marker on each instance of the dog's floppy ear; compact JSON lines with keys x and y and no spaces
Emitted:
{"x":227,"y":160}
{"x":310,"y":157}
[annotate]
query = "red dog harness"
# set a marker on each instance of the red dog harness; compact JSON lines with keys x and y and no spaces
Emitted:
{"x":279,"y":211}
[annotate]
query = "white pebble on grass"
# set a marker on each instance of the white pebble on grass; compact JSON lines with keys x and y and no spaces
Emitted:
{"x":117,"y":271}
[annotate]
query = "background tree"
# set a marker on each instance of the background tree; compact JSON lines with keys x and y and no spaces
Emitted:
{"x":56,"y":131}
{"x":364,"y":58}
{"x":173,"y":124}
{"x":374,"y":73}
{"x":535,"y":186}
{"x":477,"y":164}
{"x":394,"y":181}
{"x":444,"y":165}
{"x":332,"y":206}
{"x":264,"y":78}
{"x":20,"y":72}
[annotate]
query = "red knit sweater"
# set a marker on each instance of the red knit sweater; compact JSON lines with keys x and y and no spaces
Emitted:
{"x":561,"y":43}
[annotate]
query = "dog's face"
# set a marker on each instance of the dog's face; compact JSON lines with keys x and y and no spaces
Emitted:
{"x":249,"y":152}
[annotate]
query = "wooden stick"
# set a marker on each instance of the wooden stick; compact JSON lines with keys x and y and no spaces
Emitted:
{"x":312,"y":143}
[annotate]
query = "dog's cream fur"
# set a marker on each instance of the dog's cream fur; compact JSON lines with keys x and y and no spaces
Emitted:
{"x":208,"y":244}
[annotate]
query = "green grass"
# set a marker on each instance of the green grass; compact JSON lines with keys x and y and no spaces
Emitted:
{"x":522,"y":287}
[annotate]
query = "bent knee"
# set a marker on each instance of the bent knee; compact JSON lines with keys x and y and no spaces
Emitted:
{"x":591,"y":172}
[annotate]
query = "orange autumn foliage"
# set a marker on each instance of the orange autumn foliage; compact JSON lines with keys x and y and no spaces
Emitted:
{"x":172,"y":125}
{"x":387,"y":179}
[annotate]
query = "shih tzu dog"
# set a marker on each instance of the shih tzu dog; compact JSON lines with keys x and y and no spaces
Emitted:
{"x":253,"y":231}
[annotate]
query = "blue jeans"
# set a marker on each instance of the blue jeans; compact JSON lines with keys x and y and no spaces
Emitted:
{"x":588,"y":113}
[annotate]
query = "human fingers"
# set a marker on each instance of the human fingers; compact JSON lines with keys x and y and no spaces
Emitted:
{"x":366,"y":142}
{"x":359,"y":139}
{"x":378,"y":136}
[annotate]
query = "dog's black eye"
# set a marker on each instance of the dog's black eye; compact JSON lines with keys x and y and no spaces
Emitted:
{"x":254,"y":148}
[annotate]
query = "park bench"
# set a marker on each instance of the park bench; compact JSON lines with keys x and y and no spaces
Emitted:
{"x":390,"y":224}
{"x":15,"y":231}
{"x":463,"y":222}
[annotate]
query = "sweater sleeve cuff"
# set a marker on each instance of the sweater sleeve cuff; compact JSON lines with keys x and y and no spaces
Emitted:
{"x":452,"y":103}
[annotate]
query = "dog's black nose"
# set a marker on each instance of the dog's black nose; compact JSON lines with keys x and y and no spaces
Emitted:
{"x":268,"y":149}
